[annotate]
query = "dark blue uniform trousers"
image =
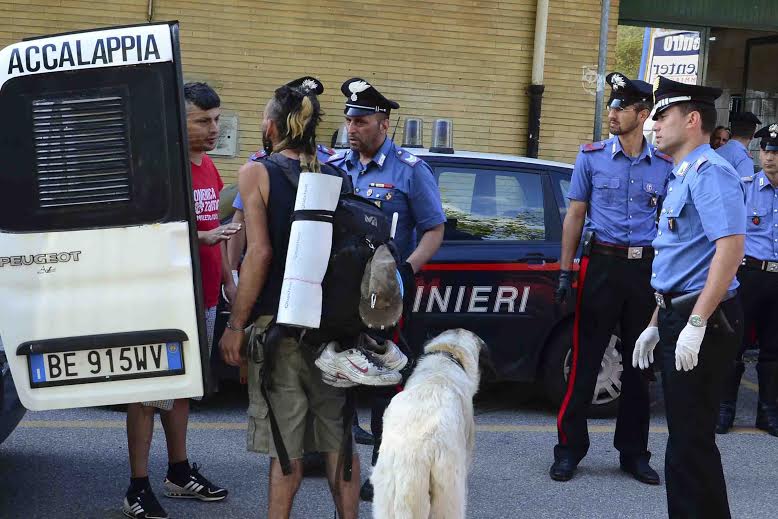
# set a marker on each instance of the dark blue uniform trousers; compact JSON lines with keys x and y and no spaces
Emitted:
{"x":694,"y":477}
{"x":616,"y":293}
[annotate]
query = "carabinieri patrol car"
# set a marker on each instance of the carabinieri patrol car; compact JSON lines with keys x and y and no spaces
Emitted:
{"x":498,"y":267}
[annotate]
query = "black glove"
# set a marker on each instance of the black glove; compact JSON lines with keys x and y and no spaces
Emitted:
{"x":563,"y":290}
{"x":409,"y":279}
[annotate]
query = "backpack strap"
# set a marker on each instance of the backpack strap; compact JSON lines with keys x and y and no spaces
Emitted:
{"x":347,"y":446}
{"x":274,"y":334}
{"x":348,"y":186}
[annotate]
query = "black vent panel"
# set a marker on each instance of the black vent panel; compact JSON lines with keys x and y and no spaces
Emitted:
{"x":82,"y":151}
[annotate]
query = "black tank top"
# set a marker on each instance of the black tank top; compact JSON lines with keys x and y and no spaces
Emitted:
{"x":283,"y":174}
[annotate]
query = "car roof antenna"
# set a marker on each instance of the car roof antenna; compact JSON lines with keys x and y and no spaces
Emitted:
{"x":395,"y":127}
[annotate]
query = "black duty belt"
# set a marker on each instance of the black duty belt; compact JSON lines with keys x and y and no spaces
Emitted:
{"x":622,"y":251}
{"x":666,"y":300}
{"x":757,"y":264}
{"x":683,"y":301}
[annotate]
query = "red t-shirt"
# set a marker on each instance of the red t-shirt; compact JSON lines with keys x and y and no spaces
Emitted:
{"x":206,"y":185}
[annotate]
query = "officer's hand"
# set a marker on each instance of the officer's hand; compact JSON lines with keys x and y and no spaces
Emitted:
{"x":643,"y":355}
{"x":687,"y":349}
{"x":230,"y":345}
{"x":563,"y":290}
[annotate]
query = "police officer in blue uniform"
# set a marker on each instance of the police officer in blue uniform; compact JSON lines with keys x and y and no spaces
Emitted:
{"x":398,"y":182}
{"x":698,"y":319}
{"x":616,"y":187}
{"x":743,"y":125}
{"x":758,"y":276}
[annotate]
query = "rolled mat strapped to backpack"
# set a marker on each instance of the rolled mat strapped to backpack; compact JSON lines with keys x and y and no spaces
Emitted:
{"x":310,"y":243}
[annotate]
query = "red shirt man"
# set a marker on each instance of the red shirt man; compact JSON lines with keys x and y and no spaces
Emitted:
{"x":206,"y":185}
{"x":183,"y":481}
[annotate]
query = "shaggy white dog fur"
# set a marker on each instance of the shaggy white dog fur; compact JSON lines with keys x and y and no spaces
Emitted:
{"x":429,"y":434}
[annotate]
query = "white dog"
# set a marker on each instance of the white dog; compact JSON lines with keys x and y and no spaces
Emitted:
{"x":429,"y":434}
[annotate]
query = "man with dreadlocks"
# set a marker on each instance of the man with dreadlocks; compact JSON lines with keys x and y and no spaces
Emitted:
{"x":268,"y":188}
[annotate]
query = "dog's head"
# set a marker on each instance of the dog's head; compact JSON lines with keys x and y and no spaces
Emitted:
{"x":464,"y":345}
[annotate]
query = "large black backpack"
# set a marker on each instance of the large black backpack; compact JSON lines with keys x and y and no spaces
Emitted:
{"x":358,"y":228}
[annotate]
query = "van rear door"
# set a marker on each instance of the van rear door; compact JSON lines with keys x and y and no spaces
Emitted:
{"x":99,"y":273}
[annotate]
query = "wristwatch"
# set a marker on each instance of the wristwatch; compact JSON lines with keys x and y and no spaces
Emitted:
{"x":697,"y":321}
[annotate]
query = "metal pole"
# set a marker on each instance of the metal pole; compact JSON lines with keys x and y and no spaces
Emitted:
{"x":536,"y":89}
{"x":601,"y":64}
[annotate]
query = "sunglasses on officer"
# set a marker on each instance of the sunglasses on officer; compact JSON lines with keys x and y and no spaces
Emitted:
{"x":621,"y":105}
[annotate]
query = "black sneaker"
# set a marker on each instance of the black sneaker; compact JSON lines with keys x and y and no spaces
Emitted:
{"x":194,"y":487}
{"x":143,"y":505}
{"x":366,"y":492}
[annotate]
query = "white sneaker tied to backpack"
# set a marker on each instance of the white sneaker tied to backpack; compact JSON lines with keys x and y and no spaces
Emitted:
{"x":362,"y":364}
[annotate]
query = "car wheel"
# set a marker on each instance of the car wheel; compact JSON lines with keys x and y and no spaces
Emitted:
{"x":558,"y":364}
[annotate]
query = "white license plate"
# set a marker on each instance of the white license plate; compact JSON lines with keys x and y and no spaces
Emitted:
{"x":106,"y":364}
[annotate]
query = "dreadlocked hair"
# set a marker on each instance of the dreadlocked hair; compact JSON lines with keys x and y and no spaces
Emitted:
{"x":296,"y":113}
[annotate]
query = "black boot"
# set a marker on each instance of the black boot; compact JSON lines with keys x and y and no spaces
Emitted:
{"x":767,"y":411}
{"x":728,"y":403}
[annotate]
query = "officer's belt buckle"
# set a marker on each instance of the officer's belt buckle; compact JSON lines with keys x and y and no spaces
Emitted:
{"x":771,"y":266}
{"x":635,"y":253}
{"x":660,"y":300}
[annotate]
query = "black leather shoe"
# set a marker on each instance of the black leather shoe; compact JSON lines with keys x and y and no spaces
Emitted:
{"x":562,"y":469}
{"x":640,"y":470}
{"x":366,"y":492}
{"x":767,"y":418}
{"x":361,"y":436}
{"x":726,"y":418}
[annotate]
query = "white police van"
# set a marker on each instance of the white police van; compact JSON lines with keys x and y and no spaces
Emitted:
{"x":99,"y":273}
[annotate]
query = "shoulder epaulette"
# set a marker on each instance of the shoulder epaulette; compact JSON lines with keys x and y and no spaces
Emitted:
{"x":408,"y":158}
{"x":325,"y":149}
{"x":336,"y":156}
{"x":261,"y":154}
{"x":593,"y":146}
{"x":663,"y":156}
{"x":702,"y":160}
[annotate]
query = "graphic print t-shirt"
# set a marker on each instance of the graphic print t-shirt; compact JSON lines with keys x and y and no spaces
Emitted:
{"x":206,"y":185}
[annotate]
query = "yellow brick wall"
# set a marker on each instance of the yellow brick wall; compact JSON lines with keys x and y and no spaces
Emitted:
{"x":469,"y":60}
{"x":567,"y":119}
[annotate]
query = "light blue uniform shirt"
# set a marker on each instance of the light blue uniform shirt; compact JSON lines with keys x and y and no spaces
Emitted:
{"x":622,"y":192}
{"x":323,"y":153}
{"x":761,"y":218}
{"x":399,"y":182}
{"x":706,"y":200}
{"x":737,"y":155}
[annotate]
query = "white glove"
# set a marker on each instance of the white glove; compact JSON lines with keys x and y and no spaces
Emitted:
{"x":643,"y":355}
{"x":687,"y":349}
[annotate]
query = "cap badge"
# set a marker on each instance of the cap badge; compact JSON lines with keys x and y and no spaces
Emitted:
{"x":773,"y":130}
{"x":656,"y":84}
{"x":357,"y":87}
{"x":618,"y":82}
{"x":309,"y":84}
